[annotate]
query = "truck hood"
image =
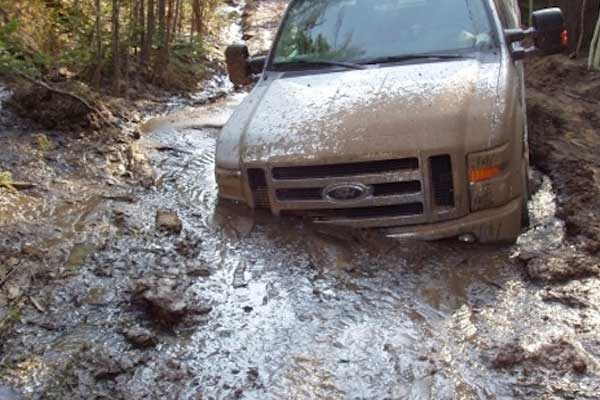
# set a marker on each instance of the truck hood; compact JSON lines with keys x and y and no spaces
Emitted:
{"x":375,"y":113}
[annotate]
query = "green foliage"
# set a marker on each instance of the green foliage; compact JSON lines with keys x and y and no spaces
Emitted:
{"x":12,"y":56}
{"x":6,"y":180}
{"x":44,"y":38}
{"x":42,"y":142}
{"x":14,"y":314}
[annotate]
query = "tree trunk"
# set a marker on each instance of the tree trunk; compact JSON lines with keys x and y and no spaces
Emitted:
{"x":116,"y":53}
{"x":176,"y":19}
{"x":594,"y":61}
{"x":197,"y":8}
{"x":142,"y":28}
{"x":163,"y":50}
{"x":181,"y":18}
{"x":170,"y":23}
{"x":97,"y":78}
{"x":150,"y":29}
{"x":582,"y":30}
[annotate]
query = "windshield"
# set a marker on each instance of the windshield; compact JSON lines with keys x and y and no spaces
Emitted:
{"x":363,"y":30}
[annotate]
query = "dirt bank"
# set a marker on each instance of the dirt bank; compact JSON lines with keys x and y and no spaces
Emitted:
{"x":564,"y":135}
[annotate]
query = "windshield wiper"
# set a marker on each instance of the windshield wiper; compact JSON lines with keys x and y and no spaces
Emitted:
{"x":309,"y":63}
{"x":409,"y":57}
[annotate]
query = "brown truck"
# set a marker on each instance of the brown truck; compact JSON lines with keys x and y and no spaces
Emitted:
{"x":402,"y":115}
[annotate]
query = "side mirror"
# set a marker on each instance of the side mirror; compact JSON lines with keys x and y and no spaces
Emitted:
{"x":257,"y":64}
{"x":240,"y":66}
{"x":550,"y":34}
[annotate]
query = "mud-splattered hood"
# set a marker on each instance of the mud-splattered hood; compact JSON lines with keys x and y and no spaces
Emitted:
{"x":373,"y":113}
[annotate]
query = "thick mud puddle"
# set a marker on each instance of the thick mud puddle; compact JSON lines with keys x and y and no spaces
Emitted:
{"x":293,"y":312}
{"x":298,"y":313}
{"x":280,"y":310}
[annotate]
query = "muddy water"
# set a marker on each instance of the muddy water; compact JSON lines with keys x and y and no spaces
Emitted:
{"x":304,"y":314}
{"x":296,"y":313}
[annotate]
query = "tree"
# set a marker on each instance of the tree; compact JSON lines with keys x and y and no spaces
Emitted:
{"x":163,"y":51}
{"x":150,"y":29}
{"x":116,"y":48}
{"x":197,"y":8}
{"x":594,"y":60}
{"x":98,"y":27}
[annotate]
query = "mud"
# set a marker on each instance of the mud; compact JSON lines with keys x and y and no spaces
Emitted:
{"x":97,"y":302}
{"x":563,"y":132}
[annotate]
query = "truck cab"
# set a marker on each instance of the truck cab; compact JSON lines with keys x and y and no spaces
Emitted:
{"x":406,"y":116}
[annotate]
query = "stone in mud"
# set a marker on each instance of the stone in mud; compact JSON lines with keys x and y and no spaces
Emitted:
{"x":568,"y":296}
{"x":197,"y":269}
{"x":509,"y":356}
{"x":559,"y":355}
{"x":140,"y":337}
{"x":139,"y":165}
{"x":7,"y":393}
{"x":168,"y":221}
{"x":161,"y":299}
{"x":556,"y":268}
{"x":164,"y":300}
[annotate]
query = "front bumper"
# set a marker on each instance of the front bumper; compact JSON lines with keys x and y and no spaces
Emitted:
{"x":502,"y":224}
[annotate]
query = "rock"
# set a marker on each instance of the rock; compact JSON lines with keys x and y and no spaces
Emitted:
{"x":579,"y":366}
{"x":509,"y":356}
{"x":140,"y":166}
{"x":7,"y":393}
{"x":162,"y":299}
{"x":197,"y":269}
{"x":14,"y":292}
{"x":199,"y":272}
{"x":559,"y":355}
{"x":555,"y":268}
{"x":248,"y":309}
{"x":12,"y":262}
{"x":568,"y":297}
{"x":168,"y":221}
{"x":140,"y":337}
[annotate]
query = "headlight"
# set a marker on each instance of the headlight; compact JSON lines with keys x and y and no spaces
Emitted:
{"x":489,"y":178}
{"x":230,"y":184}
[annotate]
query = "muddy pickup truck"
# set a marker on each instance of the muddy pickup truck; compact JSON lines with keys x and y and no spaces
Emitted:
{"x":402,"y":115}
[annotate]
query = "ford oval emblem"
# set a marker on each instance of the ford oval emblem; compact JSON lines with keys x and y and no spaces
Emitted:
{"x":347,"y":192}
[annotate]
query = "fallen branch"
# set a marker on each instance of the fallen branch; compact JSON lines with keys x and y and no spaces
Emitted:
{"x":36,"y":304}
{"x":8,"y":274}
{"x":23,"y":185}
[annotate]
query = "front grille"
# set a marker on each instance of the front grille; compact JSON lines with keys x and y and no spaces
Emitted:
{"x":299,"y":194}
{"x":442,"y":182}
{"x":260,"y":190}
{"x":400,"y":210}
{"x":396,"y":188}
{"x":379,"y":190}
{"x":348,"y":169}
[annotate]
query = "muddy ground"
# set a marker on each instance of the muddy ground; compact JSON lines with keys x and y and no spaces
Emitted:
{"x":122,"y":277}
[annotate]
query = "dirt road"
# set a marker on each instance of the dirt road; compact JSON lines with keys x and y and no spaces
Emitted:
{"x":163,"y":293}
